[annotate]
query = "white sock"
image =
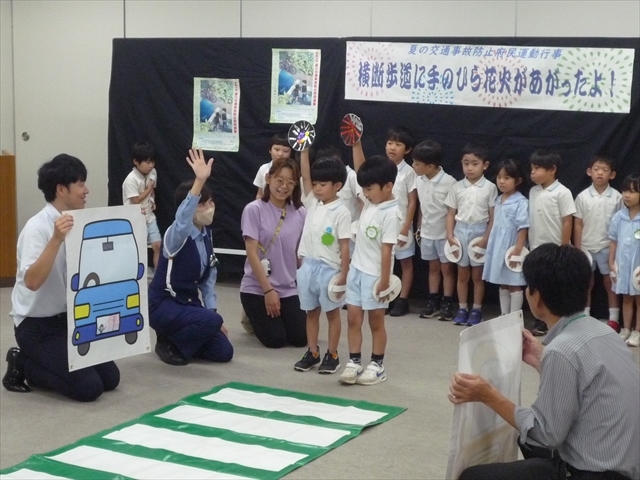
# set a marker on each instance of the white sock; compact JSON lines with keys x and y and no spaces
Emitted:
{"x":517,"y":298}
{"x":587,"y":310}
{"x":505,"y":301}
{"x":614,"y":314}
{"x":464,"y":306}
{"x":477,"y":306}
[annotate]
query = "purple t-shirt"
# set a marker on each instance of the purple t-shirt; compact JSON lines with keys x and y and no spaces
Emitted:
{"x":259,"y":221}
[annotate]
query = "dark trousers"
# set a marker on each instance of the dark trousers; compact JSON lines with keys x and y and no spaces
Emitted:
{"x":43,"y":343}
{"x":193,"y":329}
{"x":290,"y":328}
{"x":539,"y":464}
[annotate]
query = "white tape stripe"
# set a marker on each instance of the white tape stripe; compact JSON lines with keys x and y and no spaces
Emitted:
{"x":250,"y":425}
{"x":292,"y":406}
{"x":135,"y":467}
{"x":208,"y":448}
{"x":28,"y":474}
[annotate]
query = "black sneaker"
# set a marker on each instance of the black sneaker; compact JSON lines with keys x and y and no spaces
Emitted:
{"x":401,"y":308}
{"x":307,"y":362}
{"x":446,"y":312}
{"x":433,"y":309}
{"x":539,"y":329}
{"x":170,"y":354}
{"x":330,"y":364}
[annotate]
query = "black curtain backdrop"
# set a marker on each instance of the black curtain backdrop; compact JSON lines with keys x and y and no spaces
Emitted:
{"x":151,"y":99}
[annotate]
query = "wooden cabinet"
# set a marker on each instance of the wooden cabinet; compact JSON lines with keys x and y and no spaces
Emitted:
{"x":8,"y":220}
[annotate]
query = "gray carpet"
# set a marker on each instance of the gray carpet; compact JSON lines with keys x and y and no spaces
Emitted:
{"x":421,"y":357}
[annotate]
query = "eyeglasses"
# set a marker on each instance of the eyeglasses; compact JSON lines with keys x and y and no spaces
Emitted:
{"x":279,"y":182}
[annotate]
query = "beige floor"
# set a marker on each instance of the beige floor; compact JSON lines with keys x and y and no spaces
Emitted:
{"x":421,"y":357}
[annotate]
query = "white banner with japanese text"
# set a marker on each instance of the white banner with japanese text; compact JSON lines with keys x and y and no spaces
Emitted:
{"x":546,"y":78}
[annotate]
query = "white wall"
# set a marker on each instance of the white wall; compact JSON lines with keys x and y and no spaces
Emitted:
{"x":62,"y":52}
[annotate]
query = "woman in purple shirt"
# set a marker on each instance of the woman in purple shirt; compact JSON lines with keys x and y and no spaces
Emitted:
{"x":272,"y":227}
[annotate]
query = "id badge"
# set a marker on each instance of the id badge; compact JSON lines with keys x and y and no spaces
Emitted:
{"x":266,"y":265}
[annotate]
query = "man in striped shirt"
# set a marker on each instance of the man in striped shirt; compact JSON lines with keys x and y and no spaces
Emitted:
{"x":587,"y":413}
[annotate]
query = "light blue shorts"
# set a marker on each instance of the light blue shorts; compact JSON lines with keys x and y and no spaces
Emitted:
{"x":153,"y":232}
{"x":433,"y":250}
{"x":360,"y":290}
{"x":465,"y":232}
{"x":313,"y":278}
{"x":601,"y":259}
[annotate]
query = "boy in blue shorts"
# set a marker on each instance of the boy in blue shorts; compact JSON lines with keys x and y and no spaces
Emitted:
{"x":377,"y":233}
{"x":324,"y":247}
{"x":595,"y":206}
{"x":433,"y":184}
{"x":471,"y":202}
{"x":138,"y":188}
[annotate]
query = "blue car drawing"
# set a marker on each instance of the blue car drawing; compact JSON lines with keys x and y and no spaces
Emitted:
{"x":107,"y":302}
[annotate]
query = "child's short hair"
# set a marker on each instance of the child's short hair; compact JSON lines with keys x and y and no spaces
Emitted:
{"x":602,"y":158}
{"x":514,"y":170}
{"x":143,"y":151}
{"x":428,"y":152}
{"x":62,"y":169}
{"x":185,"y":187}
{"x":631,"y":183}
{"x":329,"y":169}
{"x":480,"y":150}
{"x":399,"y":133}
{"x":547,"y":159}
{"x":279,"y":139}
{"x":561,"y":275}
{"x":297,"y":190}
{"x":329,"y":151}
{"x":377,"y":170}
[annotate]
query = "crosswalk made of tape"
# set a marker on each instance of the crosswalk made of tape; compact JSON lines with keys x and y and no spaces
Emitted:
{"x":235,"y":431}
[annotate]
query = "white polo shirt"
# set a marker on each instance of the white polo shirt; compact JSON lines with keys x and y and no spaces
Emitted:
{"x":432,"y":194}
{"x":547,"y":207}
{"x":134,"y":185}
{"x":349,"y":194}
{"x":379,"y":223}
{"x":324,"y":226}
{"x":261,"y":177}
{"x":51,"y":298}
{"x":405,"y":183}
{"x":472,"y":200}
{"x":596,"y":210}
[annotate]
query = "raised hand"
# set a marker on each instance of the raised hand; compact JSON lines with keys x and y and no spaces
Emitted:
{"x":61,"y":227}
{"x":200,"y":167}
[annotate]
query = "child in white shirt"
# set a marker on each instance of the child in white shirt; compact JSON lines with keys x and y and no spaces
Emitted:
{"x":471,"y":202}
{"x":324,"y":248}
{"x":432,"y":186}
{"x":279,"y":150}
{"x":595,"y":206}
{"x":377,"y":233}
{"x":138,"y":189}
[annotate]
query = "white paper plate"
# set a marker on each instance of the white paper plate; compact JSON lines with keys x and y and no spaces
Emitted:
{"x":395,"y":286}
{"x":334,"y":290}
{"x":518,"y":260}
{"x":473,"y":250}
{"x":449,"y":249}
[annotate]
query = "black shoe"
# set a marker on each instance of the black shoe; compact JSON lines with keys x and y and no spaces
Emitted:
{"x":170,"y":354}
{"x":401,"y":308}
{"x":433,"y":309}
{"x":307,"y":362}
{"x":446,"y":311}
{"x":539,"y":329}
{"x":330,"y":364}
{"x":13,"y":380}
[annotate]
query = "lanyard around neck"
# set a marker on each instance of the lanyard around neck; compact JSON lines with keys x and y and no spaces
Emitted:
{"x":573,"y":319}
{"x":273,"y":239}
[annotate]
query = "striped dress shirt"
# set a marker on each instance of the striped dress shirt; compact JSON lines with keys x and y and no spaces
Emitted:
{"x":588,"y":405}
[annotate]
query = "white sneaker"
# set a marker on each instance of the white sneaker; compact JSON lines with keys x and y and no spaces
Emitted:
{"x":351,"y":373}
{"x":634,"y":339}
{"x":625,"y":333}
{"x":372,"y":375}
